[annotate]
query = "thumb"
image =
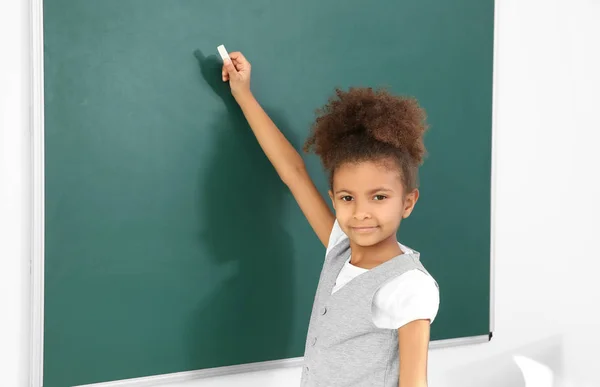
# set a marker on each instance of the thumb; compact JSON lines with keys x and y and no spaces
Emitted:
{"x":229,"y":67}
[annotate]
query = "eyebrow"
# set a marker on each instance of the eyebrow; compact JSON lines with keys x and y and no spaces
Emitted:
{"x":379,"y":189}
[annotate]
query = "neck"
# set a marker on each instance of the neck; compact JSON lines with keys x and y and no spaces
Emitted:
{"x":376,"y":254}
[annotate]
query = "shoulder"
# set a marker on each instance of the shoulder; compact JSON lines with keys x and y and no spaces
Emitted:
{"x":415,"y":277}
{"x":411,"y":296}
{"x":337,"y":235}
{"x":413,"y":283}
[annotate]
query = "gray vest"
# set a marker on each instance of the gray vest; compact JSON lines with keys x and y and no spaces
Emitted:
{"x":343,"y":346}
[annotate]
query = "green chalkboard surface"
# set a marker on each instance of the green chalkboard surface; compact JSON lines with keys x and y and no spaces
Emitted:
{"x":170,"y":242}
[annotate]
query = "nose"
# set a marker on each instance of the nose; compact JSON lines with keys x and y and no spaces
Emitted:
{"x":361,"y":211}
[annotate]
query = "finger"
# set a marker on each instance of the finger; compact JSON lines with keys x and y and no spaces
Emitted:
{"x":238,"y":56}
{"x":239,"y":60}
{"x":229,"y":67}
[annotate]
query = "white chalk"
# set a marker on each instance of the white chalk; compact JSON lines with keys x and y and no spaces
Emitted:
{"x":223,"y":52}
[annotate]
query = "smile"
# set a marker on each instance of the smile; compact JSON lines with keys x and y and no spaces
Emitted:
{"x":364,"y":230}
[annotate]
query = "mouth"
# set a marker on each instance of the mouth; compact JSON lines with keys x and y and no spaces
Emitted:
{"x":364,"y":230}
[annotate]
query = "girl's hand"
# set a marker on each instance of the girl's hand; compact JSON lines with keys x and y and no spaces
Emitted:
{"x":237,"y":72}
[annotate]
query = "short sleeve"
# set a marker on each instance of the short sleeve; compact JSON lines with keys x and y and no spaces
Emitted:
{"x":411,"y":296}
{"x":337,"y":235}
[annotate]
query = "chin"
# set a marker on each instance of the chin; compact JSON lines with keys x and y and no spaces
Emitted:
{"x":370,"y":239}
{"x":366,"y":240}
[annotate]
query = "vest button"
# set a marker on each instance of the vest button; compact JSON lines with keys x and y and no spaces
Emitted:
{"x":307,"y":369}
{"x":323,"y":310}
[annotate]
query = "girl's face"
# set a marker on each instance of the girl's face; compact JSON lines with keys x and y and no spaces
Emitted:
{"x":370,"y":201}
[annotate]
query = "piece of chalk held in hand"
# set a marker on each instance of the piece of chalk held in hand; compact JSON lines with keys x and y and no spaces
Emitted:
{"x":223,"y":52}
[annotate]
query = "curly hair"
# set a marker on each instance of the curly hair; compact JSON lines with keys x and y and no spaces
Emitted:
{"x":363,"y":124}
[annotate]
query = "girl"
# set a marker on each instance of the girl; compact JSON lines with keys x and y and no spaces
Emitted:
{"x":375,"y":301}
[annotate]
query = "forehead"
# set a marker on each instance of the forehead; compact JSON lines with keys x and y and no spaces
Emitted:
{"x":367,"y":175}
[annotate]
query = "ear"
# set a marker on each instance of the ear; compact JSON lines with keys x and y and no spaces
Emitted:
{"x":331,"y":198}
{"x":409,"y":203}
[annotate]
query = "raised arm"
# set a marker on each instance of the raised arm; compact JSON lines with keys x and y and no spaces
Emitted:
{"x":285,"y":159}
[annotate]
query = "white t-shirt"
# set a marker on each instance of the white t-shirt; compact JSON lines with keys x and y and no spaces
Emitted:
{"x":411,"y":296}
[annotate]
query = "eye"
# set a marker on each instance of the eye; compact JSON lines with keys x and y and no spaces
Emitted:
{"x":379,"y":197}
{"x":346,"y":198}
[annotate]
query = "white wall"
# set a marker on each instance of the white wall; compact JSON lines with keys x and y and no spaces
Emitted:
{"x":547,"y":214}
{"x":14,"y":193}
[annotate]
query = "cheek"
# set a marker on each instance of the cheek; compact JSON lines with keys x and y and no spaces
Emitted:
{"x":343,"y":212}
{"x":391,"y":213}
{"x":345,"y":216}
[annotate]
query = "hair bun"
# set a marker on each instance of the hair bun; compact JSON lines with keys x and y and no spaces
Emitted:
{"x":365,"y":124}
{"x":396,"y":121}
{"x":393,"y":120}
